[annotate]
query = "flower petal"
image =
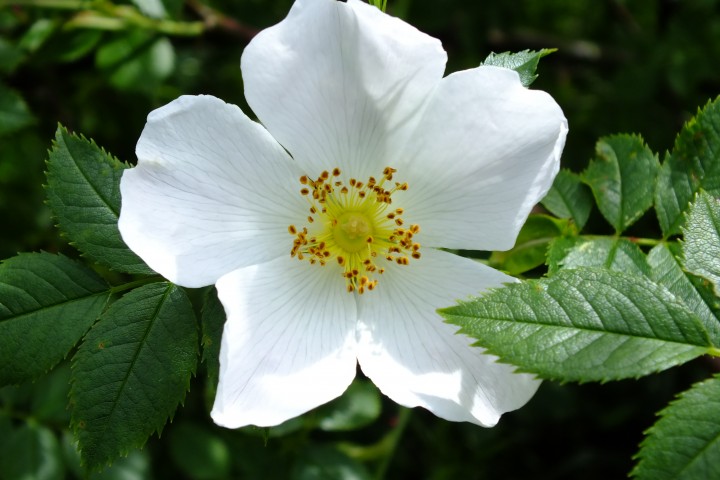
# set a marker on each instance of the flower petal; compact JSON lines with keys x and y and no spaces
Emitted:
{"x":341,"y":84}
{"x":418,"y":360}
{"x":212,"y":192}
{"x":485,"y":153}
{"x":288,"y":344}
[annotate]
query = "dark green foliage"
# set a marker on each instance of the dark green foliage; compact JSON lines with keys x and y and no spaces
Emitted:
{"x":132,"y":371}
{"x":84,"y":194}
{"x":47,"y":303}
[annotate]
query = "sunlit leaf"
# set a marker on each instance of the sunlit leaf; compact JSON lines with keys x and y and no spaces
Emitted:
{"x":584,"y":325}
{"x":685,"y":443}
{"x":701,"y":248}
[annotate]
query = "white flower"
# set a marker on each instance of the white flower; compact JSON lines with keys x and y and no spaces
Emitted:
{"x":286,"y":216}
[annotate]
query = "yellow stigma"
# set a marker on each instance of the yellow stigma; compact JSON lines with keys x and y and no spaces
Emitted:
{"x":353,"y":228}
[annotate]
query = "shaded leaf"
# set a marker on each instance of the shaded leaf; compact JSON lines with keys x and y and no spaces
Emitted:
{"x":84,"y":194}
{"x":198,"y":452}
{"x":617,"y":254}
{"x":132,"y":371}
{"x":621,"y":177}
{"x":357,"y":407}
{"x":32,"y":452}
{"x":531,"y":244}
{"x":569,"y":198}
{"x":525,"y":63}
{"x":47,"y":303}
{"x":701,"y":248}
{"x":685,"y":442}
{"x":693,"y":164}
{"x":14,"y":112}
{"x":213,"y":321}
{"x":327,"y":463}
{"x":584,"y":325}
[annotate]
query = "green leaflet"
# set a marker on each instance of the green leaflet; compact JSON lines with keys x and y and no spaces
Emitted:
{"x":569,"y":198}
{"x":47,"y":303}
{"x":685,"y":442}
{"x":132,"y":371}
{"x":14,"y":112}
{"x":666,"y":270}
{"x":621,"y":178}
{"x":693,"y":164}
{"x":84,"y":194}
{"x":584,"y":325}
{"x":524,"y":63}
{"x":617,"y":254}
{"x":358,"y":407}
{"x":701,"y":248}
{"x":531,"y":244}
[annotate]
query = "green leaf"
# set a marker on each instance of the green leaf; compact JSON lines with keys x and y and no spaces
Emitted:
{"x":32,"y":452}
{"x":701,"y":248}
{"x":525,"y":62}
{"x":84,"y":194}
{"x":694,"y":164}
{"x":531,"y":244}
{"x":14,"y":112}
{"x":132,"y":370}
{"x":569,"y":198}
{"x":213,"y":321}
{"x":47,"y":303}
{"x":666,"y":270}
{"x":357,"y":407}
{"x":616,"y":254}
{"x":622,"y":178}
{"x":584,"y":325}
{"x":38,"y":33}
{"x":685,"y":442}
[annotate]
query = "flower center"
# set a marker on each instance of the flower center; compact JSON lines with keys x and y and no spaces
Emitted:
{"x":354,"y":227}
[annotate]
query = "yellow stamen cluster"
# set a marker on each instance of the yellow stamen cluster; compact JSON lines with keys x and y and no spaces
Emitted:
{"x":352,"y":225}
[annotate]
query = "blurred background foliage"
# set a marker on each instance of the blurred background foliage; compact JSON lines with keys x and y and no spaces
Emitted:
{"x":99,"y":68}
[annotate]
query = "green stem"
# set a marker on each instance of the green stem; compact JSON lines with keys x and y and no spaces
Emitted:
{"x":714,"y":351}
{"x":647,"y":242}
{"x":392,"y":440}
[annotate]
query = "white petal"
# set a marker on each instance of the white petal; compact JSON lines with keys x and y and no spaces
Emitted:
{"x":341,"y":84}
{"x":288,"y":344}
{"x":418,"y":360}
{"x":485,"y":153}
{"x":212,"y":192}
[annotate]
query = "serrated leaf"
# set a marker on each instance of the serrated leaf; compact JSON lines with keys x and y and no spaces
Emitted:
{"x":47,"y":303}
{"x":530,"y":247}
{"x":584,"y":325}
{"x":132,"y":371}
{"x":84,"y":194}
{"x":616,"y":254}
{"x":213,"y":321}
{"x":32,"y":452}
{"x":622,"y":178}
{"x":693,"y":164}
{"x":665,"y":269}
{"x":685,"y":443}
{"x":525,"y":63}
{"x":14,"y":112}
{"x":569,"y":198}
{"x":701,"y":248}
